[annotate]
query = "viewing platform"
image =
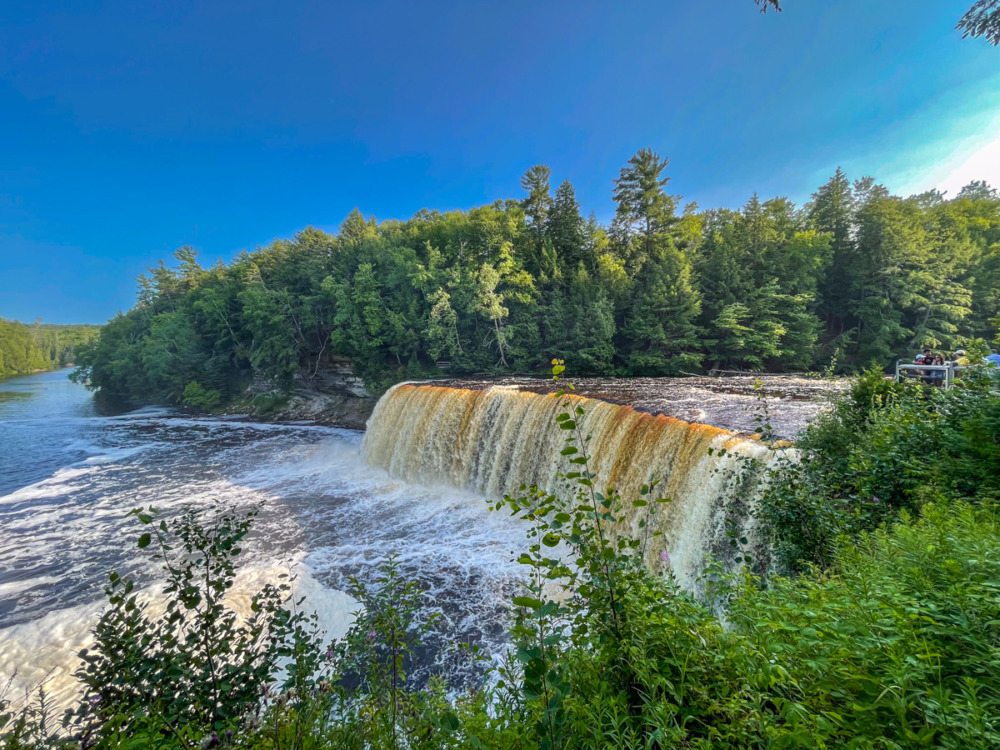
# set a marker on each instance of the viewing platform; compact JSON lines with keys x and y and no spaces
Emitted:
{"x":938,"y":375}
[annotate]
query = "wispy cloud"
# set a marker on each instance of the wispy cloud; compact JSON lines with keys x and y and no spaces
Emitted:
{"x":956,"y":141}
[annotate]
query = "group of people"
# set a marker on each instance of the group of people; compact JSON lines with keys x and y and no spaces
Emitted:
{"x":960,"y":359}
{"x":928,"y":357}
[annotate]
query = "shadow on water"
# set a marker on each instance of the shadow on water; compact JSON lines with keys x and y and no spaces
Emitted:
{"x":13,"y":395}
{"x":107,"y":405}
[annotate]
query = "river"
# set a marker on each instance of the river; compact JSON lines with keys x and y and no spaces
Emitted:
{"x":69,"y":474}
{"x":334,"y":502}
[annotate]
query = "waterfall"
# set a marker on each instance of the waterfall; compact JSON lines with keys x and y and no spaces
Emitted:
{"x":492,"y":441}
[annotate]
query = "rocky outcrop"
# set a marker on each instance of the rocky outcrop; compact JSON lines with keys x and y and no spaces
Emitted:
{"x":326,"y":408}
{"x":331,"y":394}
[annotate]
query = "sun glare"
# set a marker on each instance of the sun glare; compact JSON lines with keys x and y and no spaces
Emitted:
{"x":981,"y":164}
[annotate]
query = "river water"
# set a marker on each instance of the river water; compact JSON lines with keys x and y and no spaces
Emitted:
{"x":69,"y":474}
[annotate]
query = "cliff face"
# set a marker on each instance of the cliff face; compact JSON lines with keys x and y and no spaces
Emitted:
{"x":331,"y":394}
{"x":335,"y":410}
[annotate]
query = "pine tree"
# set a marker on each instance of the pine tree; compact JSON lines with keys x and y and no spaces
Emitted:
{"x":659,"y":331}
{"x":645,"y":212}
{"x":832,"y":210}
{"x":660,"y":334}
{"x":536,"y":209}
{"x":566,"y":229}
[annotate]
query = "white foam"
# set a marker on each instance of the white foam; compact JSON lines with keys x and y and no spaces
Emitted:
{"x":12,"y":588}
{"x":325,"y":510}
{"x":43,"y":653}
{"x":60,"y":483}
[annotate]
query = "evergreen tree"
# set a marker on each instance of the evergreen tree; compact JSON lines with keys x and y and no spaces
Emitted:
{"x":512,"y":284}
{"x":832,"y":211}
{"x":645,"y":212}
{"x":659,"y":328}
{"x":660,"y":334}
{"x":536,"y":207}
{"x":566,"y":229}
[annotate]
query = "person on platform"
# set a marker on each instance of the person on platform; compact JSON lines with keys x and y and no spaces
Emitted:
{"x":937,"y":376}
{"x":960,"y":359}
{"x":923,"y":358}
{"x":993,"y":358}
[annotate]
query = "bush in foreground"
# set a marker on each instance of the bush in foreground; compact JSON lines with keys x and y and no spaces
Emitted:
{"x":895,"y":645}
{"x":884,"y":449}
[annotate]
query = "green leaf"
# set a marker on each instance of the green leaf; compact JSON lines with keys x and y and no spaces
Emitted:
{"x":449,"y":722}
{"x":550,"y":540}
{"x":144,"y":541}
{"x":527,"y":601}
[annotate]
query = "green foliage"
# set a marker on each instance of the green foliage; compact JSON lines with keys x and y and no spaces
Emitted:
{"x":508,"y":286}
{"x":196,"y":667}
{"x":199,"y":398}
{"x":896,"y":644}
{"x":27,"y":722}
{"x":40,"y":346}
{"x":760,"y":276}
{"x":893,"y":645}
{"x":982,"y":20}
{"x":268,"y":403}
{"x":976,"y":351}
{"x":376,"y":655}
{"x":883,"y":449}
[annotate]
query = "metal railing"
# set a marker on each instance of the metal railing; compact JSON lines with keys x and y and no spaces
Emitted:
{"x":927,"y":373}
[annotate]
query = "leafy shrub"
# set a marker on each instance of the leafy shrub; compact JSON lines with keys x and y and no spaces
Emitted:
{"x":268,"y":403}
{"x":882,"y":449}
{"x":200,"y":398}
{"x":196,"y":668}
{"x":899,"y":643}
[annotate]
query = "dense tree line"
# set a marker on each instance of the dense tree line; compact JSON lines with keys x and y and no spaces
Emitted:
{"x":25,"y":349}
{"x":856,"y":274}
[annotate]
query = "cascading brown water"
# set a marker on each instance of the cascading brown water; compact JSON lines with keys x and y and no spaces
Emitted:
{"x":495,"y":440}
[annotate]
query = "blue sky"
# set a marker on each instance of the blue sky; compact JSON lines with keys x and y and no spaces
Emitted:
{"x":130,"y":129}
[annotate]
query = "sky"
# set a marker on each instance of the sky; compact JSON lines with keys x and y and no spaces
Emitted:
{"x":130,"y":129}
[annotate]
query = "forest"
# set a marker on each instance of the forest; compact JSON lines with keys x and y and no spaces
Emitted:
{"x":854,"y":276}
{"x":40,"y":346}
